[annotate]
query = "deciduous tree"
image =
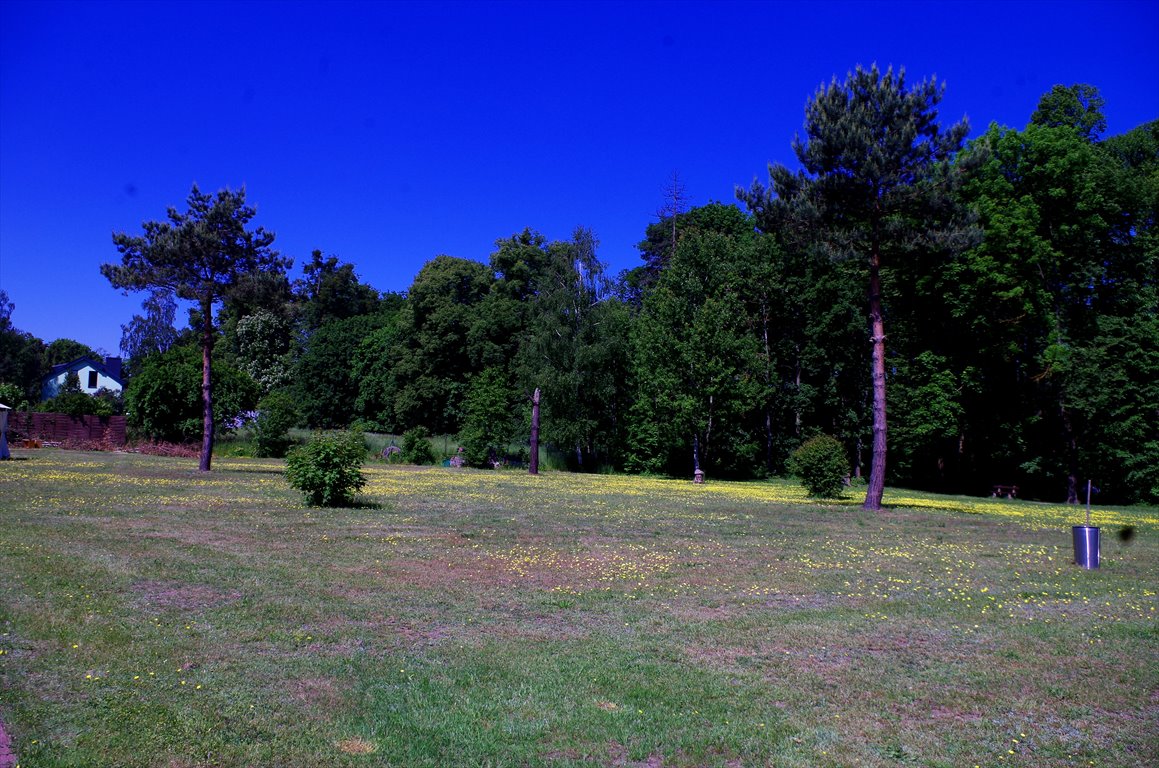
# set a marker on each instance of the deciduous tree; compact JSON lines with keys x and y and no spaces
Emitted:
{"x":164,"y":400}
{"x":20,"y":355}
{"x":151,"y":333}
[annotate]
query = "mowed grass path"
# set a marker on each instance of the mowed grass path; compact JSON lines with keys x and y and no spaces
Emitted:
{"x":153,"y":616}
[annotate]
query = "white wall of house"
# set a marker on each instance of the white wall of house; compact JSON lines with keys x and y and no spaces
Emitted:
{"x":90,"y":381}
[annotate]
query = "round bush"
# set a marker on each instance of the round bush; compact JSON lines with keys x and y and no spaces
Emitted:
{"x":277,"y":413}
{"x":327,"y":470}
{"x":416,"y":447}
{"x":822,"y":465}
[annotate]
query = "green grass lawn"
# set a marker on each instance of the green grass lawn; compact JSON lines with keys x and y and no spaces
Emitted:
{"x":153,"y":616}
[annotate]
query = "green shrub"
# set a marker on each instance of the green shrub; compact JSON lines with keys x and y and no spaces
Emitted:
{"x":487,"y":421}
{"x":164,"y":399}
{"x":13,"y":397}
{"x":277,"y":414}
{"x":76,"y":404}
{"x":416,"y":446}
{"x":822,"y":465}
{"x":327,"y":470}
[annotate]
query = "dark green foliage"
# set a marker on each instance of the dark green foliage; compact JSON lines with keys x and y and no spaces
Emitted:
{"x":488,"y":418}
{"x":277,"y":414}
{"x":1077,"y":107}
{"x":646,"y":451}
{"x":20,"y":356}
{"x":823,"y":466}
{"x":416,"y":446}
{"x":324,"y":377}
{"x":1051,"y":311}
{"x":163,"y":401}
{"x":659,"y":245}
{"x":371,"y":367}
{"x":330,"y":291}
{"x":694,"y":353}
{"x":65,"y":351}
{"x":328,"y":469}
{"x":77,"y":404}
{"x":112,"y":402}
{"x":437,"y":347}
{"x":574,"y":348}
{"x":928,"y":414}
{"x":1113,"y":399}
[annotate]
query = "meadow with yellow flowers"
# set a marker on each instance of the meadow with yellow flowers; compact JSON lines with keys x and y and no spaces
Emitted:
{"x":151,"y":615}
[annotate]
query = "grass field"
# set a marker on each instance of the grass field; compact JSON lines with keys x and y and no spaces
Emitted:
{"x":153,"y":616}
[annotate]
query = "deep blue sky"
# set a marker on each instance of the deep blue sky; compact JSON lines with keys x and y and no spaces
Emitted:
{"x":387,"y":133}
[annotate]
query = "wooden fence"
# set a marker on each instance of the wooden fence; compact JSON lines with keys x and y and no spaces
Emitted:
{"x":62,"y":428}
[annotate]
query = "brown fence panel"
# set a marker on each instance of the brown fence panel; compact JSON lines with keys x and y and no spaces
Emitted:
{"x":60,"y":427}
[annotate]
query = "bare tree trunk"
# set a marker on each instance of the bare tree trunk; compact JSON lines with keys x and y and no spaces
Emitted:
{"x":206,"y":386}
{"x":768,"y":440}
{"x":797,"y":392}
{"x":768,"y":386}
{"x":533,"y":459}
{"x":876,"y":487}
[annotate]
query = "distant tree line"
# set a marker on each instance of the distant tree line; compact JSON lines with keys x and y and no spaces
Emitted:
{"x":1005,"y":288}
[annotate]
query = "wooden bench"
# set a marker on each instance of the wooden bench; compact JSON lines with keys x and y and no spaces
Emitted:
{"x":1005,"y":492}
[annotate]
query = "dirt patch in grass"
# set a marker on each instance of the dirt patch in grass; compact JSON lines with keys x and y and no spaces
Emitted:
{"x":319,"y":696}
{"x":940,"y":713}
{"x":544,"y":627}
{"x":733,"y":658}
{"x":410,"y":635}
{"x":688,"y":610}
{"x":357,"y":747}
{"x":177,"y":596}
{"x":618,"y":757}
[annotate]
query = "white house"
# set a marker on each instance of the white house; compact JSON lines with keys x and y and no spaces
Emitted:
{"x":92,"y":373}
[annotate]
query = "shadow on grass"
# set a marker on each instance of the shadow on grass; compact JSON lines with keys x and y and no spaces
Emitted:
{"x":257,"y":470}
{"x":356,"y":504}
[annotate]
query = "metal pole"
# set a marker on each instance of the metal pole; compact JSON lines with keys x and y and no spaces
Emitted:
{"x":1088,"y":502}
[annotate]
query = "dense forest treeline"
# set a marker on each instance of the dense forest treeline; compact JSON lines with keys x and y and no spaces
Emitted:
{"x":1020,"y":343}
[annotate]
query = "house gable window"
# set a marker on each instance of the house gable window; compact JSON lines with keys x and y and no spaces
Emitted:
{"x":92,"y":379}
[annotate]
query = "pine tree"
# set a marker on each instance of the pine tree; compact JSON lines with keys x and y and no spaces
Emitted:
{"x":876,"y":183}
{"x":202,"y":255}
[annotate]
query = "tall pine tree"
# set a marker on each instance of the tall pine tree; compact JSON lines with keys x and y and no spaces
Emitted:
{"x":202,"y":255}
{"x":876,"y":184}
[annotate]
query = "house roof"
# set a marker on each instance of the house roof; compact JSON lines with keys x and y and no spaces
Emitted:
{"x":110,"y":367}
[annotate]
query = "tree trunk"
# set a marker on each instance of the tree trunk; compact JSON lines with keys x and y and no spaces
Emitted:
{"x":768,"y":441}
{"x":768,"y":388}
{"x":206,"y":386}
{"x":876,"y":487}
{"x":797,"y":393}
{"x":533,"y":459}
